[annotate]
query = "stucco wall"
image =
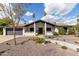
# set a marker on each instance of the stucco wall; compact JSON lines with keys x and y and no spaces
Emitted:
{"x":38,"y":25}
{"x":57,"y":29}
{"x":29,"y":34}
{"x":27,"y":29}
{"x":52,"y":29}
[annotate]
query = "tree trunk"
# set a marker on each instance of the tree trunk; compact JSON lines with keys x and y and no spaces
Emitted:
{"x":14,"y":34}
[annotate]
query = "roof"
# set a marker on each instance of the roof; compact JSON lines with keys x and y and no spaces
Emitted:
{"x":40,"y":21}
{"x":54,"y":24}
{"x":10,"y":26}
{"x":63,"y":25}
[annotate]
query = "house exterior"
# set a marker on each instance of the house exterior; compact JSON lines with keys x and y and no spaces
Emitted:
{"x":34,"y":28}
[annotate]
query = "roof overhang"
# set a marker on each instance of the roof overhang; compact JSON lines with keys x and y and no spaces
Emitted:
{"x":40,"y":21}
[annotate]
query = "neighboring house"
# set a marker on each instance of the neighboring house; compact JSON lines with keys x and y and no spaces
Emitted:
{"x":34,"y":28}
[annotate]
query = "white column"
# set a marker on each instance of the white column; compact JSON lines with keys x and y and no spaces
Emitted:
{"x":45,"y":28}
{"x":23,"y":31}
{"x":4,"y":31}
{"x":56,"y":29}
{"x":34,"y":29}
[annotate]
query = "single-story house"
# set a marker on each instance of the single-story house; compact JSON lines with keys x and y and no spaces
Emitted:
{"x":34,"y":28}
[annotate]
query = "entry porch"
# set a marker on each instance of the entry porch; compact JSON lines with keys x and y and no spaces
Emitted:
{"x":39,"y":28}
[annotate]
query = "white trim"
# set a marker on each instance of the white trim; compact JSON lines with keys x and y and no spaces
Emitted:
{"x":34,"y":29}
{"x":4,"y":31}
{"x":56,"y":29}
{"x":45,"y":28}
{"x":23,"y":31}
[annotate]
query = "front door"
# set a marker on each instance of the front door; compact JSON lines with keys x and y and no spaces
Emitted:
{"x":40,"y":30}
{"x":65,"y":29}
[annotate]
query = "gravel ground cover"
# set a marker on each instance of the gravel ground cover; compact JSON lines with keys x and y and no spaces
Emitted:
{"x":27,"y":47}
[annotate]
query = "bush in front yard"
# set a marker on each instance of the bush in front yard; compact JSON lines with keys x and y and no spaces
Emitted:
{"x":1,"y":31}
{"x":46,"y":42}
{"x":71,"y":31}
{"x":55,"y":33}
{"x":40,"y":40}
{"x":77,"y":25}
{"x":62,"y":31}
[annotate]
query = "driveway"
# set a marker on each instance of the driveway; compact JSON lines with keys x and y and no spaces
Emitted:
{"x":7,"y":38}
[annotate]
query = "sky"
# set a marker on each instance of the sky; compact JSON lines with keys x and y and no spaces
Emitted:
{"x":61,"y":12}
{"x":37,"y":8}
{"x":55,"y":12}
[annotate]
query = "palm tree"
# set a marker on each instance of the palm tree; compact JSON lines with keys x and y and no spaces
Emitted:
{"x":45,"y":13}
{"x":33,"y":16}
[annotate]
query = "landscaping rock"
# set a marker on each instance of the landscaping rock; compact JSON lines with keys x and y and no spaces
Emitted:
{"x":77,"y":49}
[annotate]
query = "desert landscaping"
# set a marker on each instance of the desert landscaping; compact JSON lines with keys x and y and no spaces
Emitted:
{"x":28,"y":47}
{"x":39,"y":29}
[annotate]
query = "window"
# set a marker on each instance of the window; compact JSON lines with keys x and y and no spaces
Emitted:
{"x":48,"y":29}
{"x":31,"y":29}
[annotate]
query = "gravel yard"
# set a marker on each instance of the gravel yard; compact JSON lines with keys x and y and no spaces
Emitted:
{"x":68,"y":38}
{"x":27,"y":47}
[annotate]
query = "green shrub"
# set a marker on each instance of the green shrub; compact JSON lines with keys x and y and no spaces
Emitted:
{"x":1,"y":31}
{"x":63,"y":47}
{"x":71,"y":31}
{"x":77,"y":26}
{"x":40,"y":40}
{"x":55,"y":33}
{"x":47,"y":42}
{"x":62,"y":31}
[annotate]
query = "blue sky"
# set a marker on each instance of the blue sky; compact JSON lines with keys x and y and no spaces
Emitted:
{"x":39,"y":9}
{"x":56,"y":12}
{"x":75,"y":11}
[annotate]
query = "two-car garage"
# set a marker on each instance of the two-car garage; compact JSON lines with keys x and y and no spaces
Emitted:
{"x":18,"y":31}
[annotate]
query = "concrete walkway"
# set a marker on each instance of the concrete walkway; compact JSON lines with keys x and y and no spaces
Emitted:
{"x":68,"y":45}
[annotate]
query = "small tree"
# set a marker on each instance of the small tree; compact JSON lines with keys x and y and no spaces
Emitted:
{"x":77,"y":25}
{"x":14,"y":12}
{"x":71,"y":31}
{"x":5,"y":22}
